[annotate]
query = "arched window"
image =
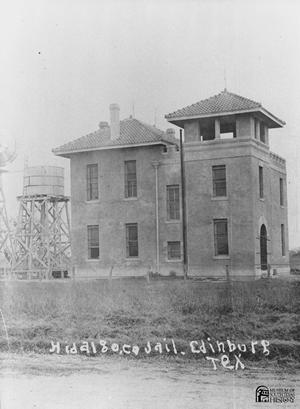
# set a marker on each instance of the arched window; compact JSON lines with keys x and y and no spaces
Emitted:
{"x":263,"y":248}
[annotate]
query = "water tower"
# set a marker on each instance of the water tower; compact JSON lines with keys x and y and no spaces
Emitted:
{"x":6,"y":241}
{"x":42,"y":237}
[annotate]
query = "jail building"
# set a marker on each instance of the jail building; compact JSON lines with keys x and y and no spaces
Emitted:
{"x":126,"y":205}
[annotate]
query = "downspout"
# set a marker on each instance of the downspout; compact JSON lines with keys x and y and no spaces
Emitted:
{"x":156,"y":164}
{"x":183,"y":204}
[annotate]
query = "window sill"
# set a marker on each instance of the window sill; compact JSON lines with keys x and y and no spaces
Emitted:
{"x":262,"y":199}
{"x":221,"y":257}
{"x":177,"y":260}
{"x":132,"y":259}
{"x":175,"y":221}
{"x":93,"y":260}
{"x":92,"y":201}
{"x":217,"y":198}
{"x":129,"y":199}
{"x":282,"y":207}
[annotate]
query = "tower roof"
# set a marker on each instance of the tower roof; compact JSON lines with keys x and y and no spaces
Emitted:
{"x":224,"y":103}
{"x":132,"y":133}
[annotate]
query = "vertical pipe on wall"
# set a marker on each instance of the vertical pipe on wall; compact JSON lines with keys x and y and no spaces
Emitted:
{"x":156,"y":165}
{"x":183,"y":206}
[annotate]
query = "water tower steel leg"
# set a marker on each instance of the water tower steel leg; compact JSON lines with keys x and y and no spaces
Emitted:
{"x":6,"y":242}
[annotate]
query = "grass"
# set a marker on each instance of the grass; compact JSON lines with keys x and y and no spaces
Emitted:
{"x":133,"y":311}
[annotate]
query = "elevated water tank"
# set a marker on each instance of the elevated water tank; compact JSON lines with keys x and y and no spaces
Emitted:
{"x":44,"y":180}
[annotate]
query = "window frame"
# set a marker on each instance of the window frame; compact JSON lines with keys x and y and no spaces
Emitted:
{"x":130,"y":180}
{"x":218,"y":236}
{"x":129,"y":240}
{"x":256,"y":129}
{"x":93,"y":245}
{"x":92,"y":182}
{"x":173,"y":203}
{"x":169,"y":250}
{"x":282,"y":234}
{"x":281,"y":194}
{"x":261,"y":181}
{"x":262,"y":132}
{"x":215,"y":181}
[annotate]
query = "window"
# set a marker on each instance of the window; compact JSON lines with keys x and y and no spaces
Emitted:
{"x":256,"y":128}
{"x":174,"y":251}
{"x":261,"y":182}
{"x":93,"y":242}
{"x":221,"y":237}
{"x":262,"y":132}
{"x":132,"y":249}
{"x":130,"y":179}
{"x":173,"y":209}
{"x":219,"y":180}
{"x":281,"y":191}
{"x":92,"y":182}
{"x":227,"y":128}
{"x":282,"y":240}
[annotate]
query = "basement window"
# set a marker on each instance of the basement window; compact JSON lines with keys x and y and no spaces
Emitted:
{"x":174,"y":251}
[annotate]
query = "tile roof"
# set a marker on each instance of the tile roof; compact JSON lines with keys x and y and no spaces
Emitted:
{"x":132,"y":132}
{"x":223,"y":102}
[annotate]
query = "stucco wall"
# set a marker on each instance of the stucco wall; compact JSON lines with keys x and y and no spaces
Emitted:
{"x":203,"y":208}
{"x":112,"y":211}
{"x":268,"y":211}
{"x":242,"y":207}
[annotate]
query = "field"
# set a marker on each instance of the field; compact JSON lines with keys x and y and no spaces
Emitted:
{"x":134,"y":312}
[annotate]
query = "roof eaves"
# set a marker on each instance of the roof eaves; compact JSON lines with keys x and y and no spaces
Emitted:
{"x":273,"y":117}
{"x":216,"y":114}
{"x":62,"y":152}
{"x":223,"y":113}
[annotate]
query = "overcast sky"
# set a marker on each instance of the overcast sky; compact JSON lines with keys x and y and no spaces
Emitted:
{"x":62,"y":62}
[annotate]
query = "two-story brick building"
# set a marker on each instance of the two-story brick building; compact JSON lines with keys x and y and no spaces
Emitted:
{"x":126,"y":193}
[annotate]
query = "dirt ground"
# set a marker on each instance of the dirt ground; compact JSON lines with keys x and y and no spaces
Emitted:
{"x":56,"y":382}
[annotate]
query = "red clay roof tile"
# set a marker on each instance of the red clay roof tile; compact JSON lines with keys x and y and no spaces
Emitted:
{"x":132,"y":132}
{"x":223,"y":102}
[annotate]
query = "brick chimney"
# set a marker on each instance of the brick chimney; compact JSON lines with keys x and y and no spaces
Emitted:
{"x":103,"y":125}
{"x":114,"y":121}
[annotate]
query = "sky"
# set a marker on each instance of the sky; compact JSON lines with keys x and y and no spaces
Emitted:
{"x":62,"y":62}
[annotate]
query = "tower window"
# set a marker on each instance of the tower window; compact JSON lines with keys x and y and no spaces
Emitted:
{"x":256,"y":128}
{"x":221,"y":237}
{"x":173,"y":209}
{"x":261,"y":182}
{"x":281,"y":198}
{"x":219,"y":180}
{"x":262,"y":132}
{"x":227,"y":128}
{"x":282,"y":240}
